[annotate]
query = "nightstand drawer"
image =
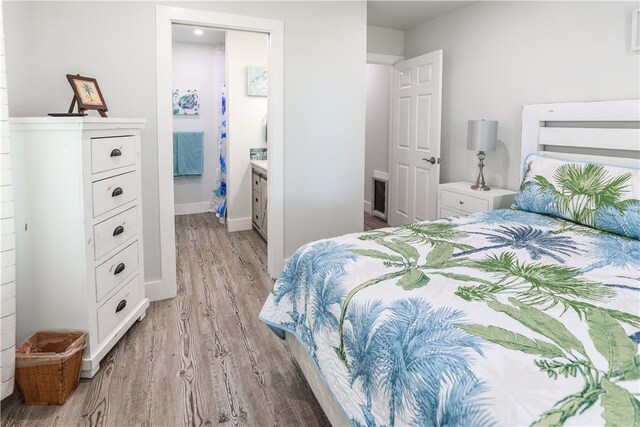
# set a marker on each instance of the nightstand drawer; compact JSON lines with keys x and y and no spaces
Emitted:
{"x":447,"y":212}
{"x":463,"y":202}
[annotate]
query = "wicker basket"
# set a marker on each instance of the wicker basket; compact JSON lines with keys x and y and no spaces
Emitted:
{"x":48,"y":366}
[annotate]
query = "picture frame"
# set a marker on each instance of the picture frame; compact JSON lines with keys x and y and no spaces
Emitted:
{"x":635,"y":30}
{"x":87,"y":94}
{"x":186,"y":102}
{"x":257,"y":81}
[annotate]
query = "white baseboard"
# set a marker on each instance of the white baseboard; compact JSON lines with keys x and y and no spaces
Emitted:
{"x":367,"y":206}
{"x":155,"y":292}
{"x":239,"y":224}
{"x":191,"y":208}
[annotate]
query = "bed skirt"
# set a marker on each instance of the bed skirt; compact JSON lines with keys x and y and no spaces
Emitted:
{"x":332,"y":410}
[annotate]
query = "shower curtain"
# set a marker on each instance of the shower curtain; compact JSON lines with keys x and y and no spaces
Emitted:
{"x":219,"y":202}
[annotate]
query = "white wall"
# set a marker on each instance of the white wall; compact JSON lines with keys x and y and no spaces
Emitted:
{"x":7,"y":240}
{"x":385,"y":40}
{"x":377,"y":124}
{"x":325,"y":56}
{"x":246,"y":116}
{"x":201,"y":67}
{"x":501,"y":55}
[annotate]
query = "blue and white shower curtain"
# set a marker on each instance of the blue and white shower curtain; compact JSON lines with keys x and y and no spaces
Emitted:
{"x":219,"y":202}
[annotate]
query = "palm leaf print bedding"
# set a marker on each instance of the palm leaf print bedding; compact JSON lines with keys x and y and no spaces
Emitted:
{"x":498,"y":318}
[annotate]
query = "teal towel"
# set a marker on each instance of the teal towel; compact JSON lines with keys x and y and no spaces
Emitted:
{"x":187,"y":153}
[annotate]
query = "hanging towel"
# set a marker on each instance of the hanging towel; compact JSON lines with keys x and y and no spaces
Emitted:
{"x":187,"y":153}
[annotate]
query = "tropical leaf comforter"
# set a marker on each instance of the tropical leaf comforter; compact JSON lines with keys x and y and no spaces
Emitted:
{"x":499,"y":318}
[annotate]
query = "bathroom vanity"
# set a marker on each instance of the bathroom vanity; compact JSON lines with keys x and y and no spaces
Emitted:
{"x":259,"y":197}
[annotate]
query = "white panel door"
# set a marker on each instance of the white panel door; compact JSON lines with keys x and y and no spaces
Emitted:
{"x":415,"y":141}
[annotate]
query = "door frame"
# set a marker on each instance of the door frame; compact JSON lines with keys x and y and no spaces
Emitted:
{"x":165,"y":17}
{"x":389,"y":61}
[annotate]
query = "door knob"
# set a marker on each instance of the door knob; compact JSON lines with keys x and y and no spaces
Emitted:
{"x":432,"y":160}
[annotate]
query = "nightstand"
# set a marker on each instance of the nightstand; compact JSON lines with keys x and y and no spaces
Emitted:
{"x":457,"y":198}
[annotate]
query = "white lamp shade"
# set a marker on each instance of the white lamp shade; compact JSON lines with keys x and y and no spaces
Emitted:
{"x":482,"y":135}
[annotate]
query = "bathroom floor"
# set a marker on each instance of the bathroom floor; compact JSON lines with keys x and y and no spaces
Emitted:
{"x":372,"y":222}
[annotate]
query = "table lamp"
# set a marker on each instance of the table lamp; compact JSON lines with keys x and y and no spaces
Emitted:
{"x":482,"y":135}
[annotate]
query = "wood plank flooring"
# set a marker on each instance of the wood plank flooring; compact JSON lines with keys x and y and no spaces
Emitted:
{"x":202,"y":358}
{"x":372,"y":222}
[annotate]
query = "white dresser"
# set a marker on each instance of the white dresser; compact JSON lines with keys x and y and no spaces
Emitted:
{"x":78,"y":217}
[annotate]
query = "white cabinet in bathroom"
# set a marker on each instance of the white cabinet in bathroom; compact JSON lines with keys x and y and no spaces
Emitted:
{"x":259,"y":199}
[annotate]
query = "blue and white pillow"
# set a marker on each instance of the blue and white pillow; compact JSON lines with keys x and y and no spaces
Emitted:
{"x":600,"y":196}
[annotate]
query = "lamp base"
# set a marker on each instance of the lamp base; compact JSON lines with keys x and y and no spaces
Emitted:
{"x":480,"y":182}
{"x":480,"y":187}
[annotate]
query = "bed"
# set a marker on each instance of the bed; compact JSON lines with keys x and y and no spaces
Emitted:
{"x":525,"y":316}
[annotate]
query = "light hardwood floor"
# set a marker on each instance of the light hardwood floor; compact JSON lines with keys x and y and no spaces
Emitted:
{"x":202,"y":358}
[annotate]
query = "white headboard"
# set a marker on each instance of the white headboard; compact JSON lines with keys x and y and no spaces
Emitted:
{"x":603,"y":131}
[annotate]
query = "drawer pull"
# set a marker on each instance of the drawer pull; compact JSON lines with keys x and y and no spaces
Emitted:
{"x":119,"y":230}
{"x":116,"y":153}
{"x":461,"y":202}
{"x":117,"y":192}
{"x":119,"y":269}
{"x":121,"y":305}
{"x":256,"y":200}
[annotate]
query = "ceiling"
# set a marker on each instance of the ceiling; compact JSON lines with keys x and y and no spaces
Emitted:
{"x":402,"y":15}
{"x":184,"y":33}
{"x":399,"y":15}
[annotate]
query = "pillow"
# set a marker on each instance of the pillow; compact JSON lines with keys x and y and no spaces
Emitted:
{"x":600,"y":196}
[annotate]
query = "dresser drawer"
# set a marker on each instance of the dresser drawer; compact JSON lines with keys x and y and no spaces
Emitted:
{"x":117,"y":307}
{"x":112,"y":192}
{"x":112,"y":153}
{"x":112,"y":272}
{"x":463,"y":202}
{"x":108,"y":234}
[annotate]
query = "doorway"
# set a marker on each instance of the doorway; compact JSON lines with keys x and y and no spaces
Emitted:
{"x":165,"y":17}
{"x":199,"y":120}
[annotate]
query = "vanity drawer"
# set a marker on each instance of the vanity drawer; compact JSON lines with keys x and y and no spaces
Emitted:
{"x":112,"y":192}
{"x":463,"y":202}
{"x":112,"y":153}
{"x":255,"y":181}
{"x":117,"y":307}
{"x":110,"y":233}
{"x":112,"y":272}
{"x":255,"y":211}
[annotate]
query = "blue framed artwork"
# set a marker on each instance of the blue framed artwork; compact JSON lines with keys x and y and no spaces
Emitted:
{"x":185,"y":102}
